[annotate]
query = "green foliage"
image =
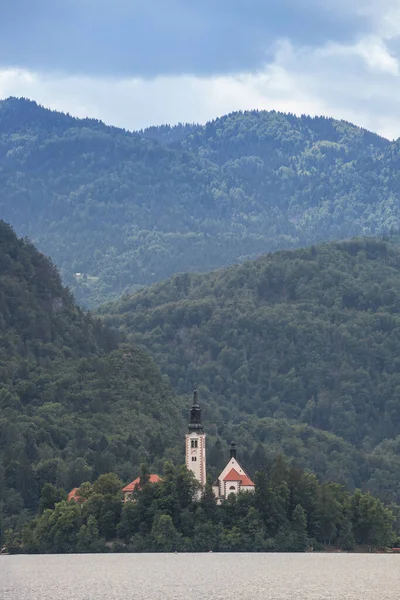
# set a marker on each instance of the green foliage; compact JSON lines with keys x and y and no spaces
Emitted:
{"x":299,"y":529}
{"x":107,"y":484}
{"x":50,"y":496}
{"x":295,"y":352}
{"x":89,"y":540}
{"x":346,"y":539}
{"x":162,"y":519}
{"x":118,"y":210}
{"x":74,"y":401}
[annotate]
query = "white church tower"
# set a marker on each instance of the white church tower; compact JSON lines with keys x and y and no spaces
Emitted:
{"x":196,"y":444}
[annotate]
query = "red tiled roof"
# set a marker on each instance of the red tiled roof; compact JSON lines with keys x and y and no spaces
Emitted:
{"x":73,"y":495}
{"x":247,"y":481}
{"x":233,"y":475}
{"x":153,"y":478}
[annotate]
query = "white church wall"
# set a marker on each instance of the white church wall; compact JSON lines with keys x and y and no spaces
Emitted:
{"x":231,"y":487}
{"x":196,"y":455}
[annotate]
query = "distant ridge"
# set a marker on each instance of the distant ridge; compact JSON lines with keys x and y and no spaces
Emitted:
{"x":126,"y":209}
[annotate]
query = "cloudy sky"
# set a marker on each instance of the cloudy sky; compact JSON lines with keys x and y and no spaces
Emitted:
{"x":135,"y":63}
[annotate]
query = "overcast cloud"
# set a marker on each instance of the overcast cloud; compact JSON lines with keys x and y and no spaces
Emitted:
{"x":137,"y":63}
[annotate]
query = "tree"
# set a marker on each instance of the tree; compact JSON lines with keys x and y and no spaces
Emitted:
{"x":144,"y":474}
{"x":262,"y":494}
{"x":330,"y":511}
{"x":164,"y":536}
{"x":346,"y":538}
{"x":129,"y":523}
{"x":372,"y":522}
{"x":56,"y":530}
{"x":107,"y":484}
{"x":299,"y":529}
{"x":205,"y":536}
{"x":89,"y":538}
{"x":50,"y":496}
{"x":253,"y":530}
{"x":259,"y":460}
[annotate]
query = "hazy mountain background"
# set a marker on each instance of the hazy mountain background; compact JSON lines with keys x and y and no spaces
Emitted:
{"x":118,"y":210}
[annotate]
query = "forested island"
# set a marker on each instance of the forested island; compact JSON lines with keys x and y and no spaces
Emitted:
{"x":289,"y":512}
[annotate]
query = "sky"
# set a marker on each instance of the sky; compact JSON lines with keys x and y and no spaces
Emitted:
{"x":136,"y":63}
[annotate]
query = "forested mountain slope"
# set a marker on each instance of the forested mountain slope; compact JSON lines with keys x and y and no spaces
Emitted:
{"x":127,"y":209}
{"x":298,"y":350}
{"x":74,"y":402}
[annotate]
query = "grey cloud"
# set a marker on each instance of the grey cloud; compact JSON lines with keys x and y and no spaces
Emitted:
{"x":153,"y":37}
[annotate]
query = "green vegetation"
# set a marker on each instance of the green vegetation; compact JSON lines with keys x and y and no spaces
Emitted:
{"x":297,"y":351}
{"x":289,"y":511}
{"x":118,"y":210}
{"x":74,"y":401}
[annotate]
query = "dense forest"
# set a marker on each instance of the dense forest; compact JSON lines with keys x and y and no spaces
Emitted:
{"x":75,"y":402}
{"x":297,"y":351}
{"x":118,"y":210}
{"x":289,"y":511}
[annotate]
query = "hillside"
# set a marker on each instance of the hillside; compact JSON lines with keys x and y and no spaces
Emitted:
{"x":298,"y":350}
{"x":74,"y":401}
{"x":118,"y":210}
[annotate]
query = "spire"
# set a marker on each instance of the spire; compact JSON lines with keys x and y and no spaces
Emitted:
{"x":232,"y":450}
{"x":195,"y":415}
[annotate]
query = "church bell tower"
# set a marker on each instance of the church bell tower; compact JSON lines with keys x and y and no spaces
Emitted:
{"x":196,"y":443}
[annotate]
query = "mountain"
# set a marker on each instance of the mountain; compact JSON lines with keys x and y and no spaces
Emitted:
{"x":74,"y":400}
{"x":118,"y":210}
{"x":297,"y":351}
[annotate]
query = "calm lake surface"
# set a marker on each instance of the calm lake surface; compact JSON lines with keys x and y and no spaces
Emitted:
{"x":200,"y":577}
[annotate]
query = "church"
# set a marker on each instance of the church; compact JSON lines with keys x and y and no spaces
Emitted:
{"x":232,"y":480}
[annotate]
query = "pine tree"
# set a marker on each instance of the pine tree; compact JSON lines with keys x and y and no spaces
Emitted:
{"x":346,"y":538}
{"x":299,"y":529}
{"x":89,"y":537}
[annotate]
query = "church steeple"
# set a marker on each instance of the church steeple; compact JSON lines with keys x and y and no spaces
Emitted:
{"x":196,"y":445}
{"x":195,"y":415}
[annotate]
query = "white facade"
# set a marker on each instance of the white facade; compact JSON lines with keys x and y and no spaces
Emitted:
{"x":232,"y":480}
{"x":196,"y":455}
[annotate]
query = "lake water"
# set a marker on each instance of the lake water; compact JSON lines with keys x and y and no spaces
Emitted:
{"x":201,"y":577}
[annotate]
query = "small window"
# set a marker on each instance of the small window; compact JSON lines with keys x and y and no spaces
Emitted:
{"x":194,"y":458}
{"x":232,"y":487}
{"x":194,"y":444}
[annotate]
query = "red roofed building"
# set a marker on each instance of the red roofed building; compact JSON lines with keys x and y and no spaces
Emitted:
{"x":73,"y":495}
{"x":233,"y":479}
{"x":135,"y":485}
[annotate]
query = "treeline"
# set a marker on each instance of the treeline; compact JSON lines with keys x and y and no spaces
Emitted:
{"x":125,"y":209}
{"x":289,"y":512}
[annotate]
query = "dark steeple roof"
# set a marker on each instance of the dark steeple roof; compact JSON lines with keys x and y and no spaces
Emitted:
{"x":195,"y":415}
{"x":232,"y":450}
